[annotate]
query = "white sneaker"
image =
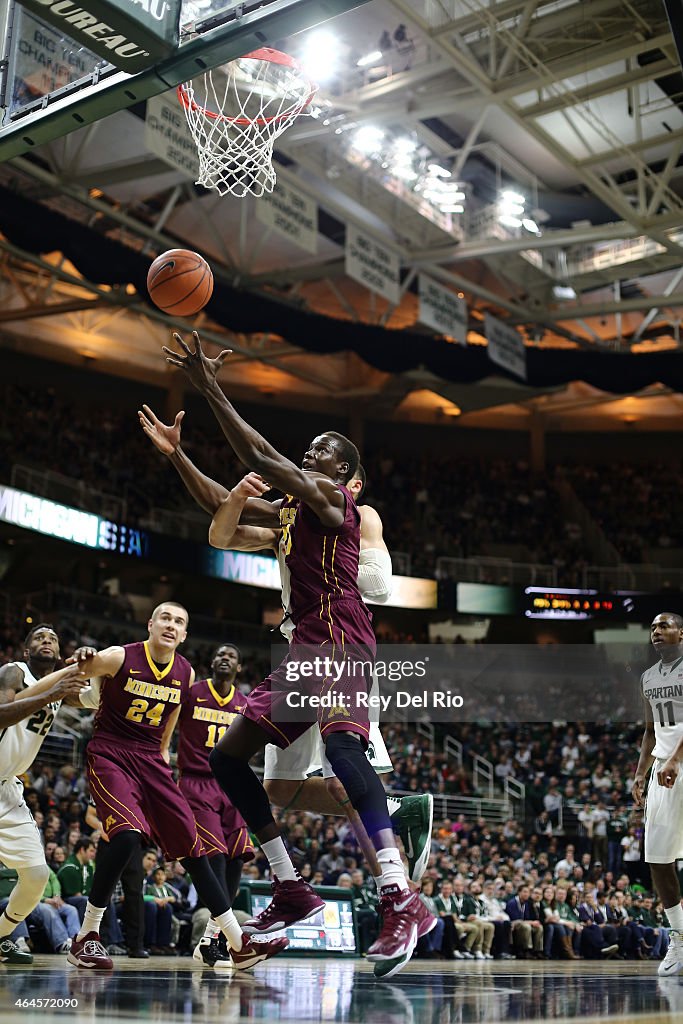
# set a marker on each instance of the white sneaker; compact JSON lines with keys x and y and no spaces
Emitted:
{"x":23,"y":945}
{"x":488,"y":956}
{"x":479,"y":955}
{"x":458,"y":955}
{"x":673,"y":961}
{"x":467,"y":956}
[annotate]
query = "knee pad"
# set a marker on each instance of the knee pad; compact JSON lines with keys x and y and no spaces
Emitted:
{"x":349,"y":764}
{"x":27,"y":892}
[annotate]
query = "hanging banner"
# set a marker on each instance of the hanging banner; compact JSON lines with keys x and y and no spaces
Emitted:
{"x":373,"y":265}
{"x":167,"y":134}
{"x":291,"y":214}
{"x":131,"y":34}
{"x":442,"y":310}
{"x":506,"y":347}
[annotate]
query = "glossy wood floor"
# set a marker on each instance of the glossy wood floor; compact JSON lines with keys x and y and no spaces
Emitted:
{"x":295,"y":990}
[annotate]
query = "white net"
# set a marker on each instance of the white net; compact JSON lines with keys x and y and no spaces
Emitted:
{"x":235,"y":114}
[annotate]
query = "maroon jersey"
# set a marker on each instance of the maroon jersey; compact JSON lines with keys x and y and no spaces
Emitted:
{"x":136,"y":703}
{"x":204,"y":717}
{"x":322,"y":560}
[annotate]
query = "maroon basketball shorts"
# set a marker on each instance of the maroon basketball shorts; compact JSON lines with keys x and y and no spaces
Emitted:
{"x":133,"y":788}
{"x":221,"y":827}
{"x":338,"y":630}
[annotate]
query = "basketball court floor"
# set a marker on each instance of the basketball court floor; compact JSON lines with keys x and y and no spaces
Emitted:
{"x":301,"y":989}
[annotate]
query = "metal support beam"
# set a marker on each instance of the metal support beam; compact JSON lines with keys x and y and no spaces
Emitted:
{"x":56,"y":309}
{"x":602,"y":87}
{"x":654,"y":312}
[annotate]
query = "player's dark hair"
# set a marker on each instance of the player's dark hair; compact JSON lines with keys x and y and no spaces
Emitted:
{"x":83,"y":844}
{"x":234,"y":647}
{"x":348,"y":453}
{"x":41,"y":625}
{"x":678,"y":619}
{"x":361,"y":475}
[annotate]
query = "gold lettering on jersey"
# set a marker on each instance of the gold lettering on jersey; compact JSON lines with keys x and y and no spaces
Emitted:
{"x":111,"y":820}
{"x":337,"y":709}
{"x":153,"y":691}
{"x":286,"y":540}
{"x":212,"y":715}
{"x":287,"y":516}
{"x":657,"y":692}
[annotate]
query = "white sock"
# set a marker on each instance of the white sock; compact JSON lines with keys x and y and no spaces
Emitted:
{"x":392,"y":868}
{"x":92,"y":920}
{"x":393,"y":804}
{"x":675,"y":915}
{"x":229,"y":925}
{"x":212,"y":930}
{"x":378,"y":882}
{"x":279,"y":860}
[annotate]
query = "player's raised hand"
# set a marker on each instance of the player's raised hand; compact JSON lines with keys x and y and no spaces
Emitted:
{"x":251,"y":486}
{"x":201,"y":370}
{"x":164,"y":437}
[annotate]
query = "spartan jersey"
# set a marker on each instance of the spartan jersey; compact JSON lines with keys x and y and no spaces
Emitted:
{"x":204,"y":717}
{"x":663,"y":688}
{"x":136,"y":703}
{"x":20,"y":743}
{"x":287,"y":626}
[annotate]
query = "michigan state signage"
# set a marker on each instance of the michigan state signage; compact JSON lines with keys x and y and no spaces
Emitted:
{"x":130,"y":34}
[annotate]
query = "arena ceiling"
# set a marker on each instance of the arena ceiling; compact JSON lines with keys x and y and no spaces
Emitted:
{"x":575,"y":106}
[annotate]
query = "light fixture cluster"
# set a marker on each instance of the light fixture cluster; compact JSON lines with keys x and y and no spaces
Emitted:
{"x":402,"y":157}
{"x":512,"y":212}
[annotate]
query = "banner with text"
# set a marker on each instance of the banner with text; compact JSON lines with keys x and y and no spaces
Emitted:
{"x":292,"y":214}
{"x":167,"y":134}
{"x":442,"y":310}
{"x":373,"y":265}
{"x":506,"y":346}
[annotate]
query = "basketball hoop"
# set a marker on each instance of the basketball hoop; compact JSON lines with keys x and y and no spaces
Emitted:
{"x":237,"y":111}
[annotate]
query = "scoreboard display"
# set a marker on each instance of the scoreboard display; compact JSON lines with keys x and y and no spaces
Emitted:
{"x":331,"y":932}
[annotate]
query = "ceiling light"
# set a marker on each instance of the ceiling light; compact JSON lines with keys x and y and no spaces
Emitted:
{"x":438,"y":171}
{"x":564,"y":291}
{"x":402,"y":171}
{"x":512,"y":208}
{"x":367,"y":139}
{"x":405,"y":145}
{"x":453,"y":208}
{"x":321,"y":51}
{"x":531,"y":225}
{"x":369,"y":58}
{"x":512,"y":197}
{"x":510,"y":222}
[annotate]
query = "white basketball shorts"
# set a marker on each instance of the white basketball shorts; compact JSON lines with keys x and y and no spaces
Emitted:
{"x":663,"y":819}
{"x":20,"y":845}
{"x":306,"y":756}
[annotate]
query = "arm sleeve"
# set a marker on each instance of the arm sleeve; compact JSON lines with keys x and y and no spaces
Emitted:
{"x":374,"y":574}
{"x":90,"y":696}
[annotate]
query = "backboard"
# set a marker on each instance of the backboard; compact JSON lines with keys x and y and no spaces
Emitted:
{"x":51,"y":85}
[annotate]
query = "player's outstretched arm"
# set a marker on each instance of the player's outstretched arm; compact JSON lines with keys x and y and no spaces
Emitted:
{"x":206,"y":492}
{"x":15,"y":707}
{"x":225,"y":530}
{"x":98,"y":663}
{"x":319,"y":492}
{"x":374,"y":564}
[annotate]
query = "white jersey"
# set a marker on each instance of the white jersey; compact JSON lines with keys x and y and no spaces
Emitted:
{"x":20,"y":743}
{"x":663,"y":688}
{"x":286,"y":626}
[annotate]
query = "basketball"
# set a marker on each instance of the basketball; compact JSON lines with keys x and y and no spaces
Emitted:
{"x":180,"y":282}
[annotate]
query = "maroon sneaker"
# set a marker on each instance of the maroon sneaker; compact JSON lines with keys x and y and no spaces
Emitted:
{"x":291,"y":902}
{"x":405,"y":919}
{"x":253,"y":953}
{"x":89,"y":952}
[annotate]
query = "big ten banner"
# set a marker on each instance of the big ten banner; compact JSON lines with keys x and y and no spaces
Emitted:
{"x":372,"y":264}
{"x":506,"y":346}
{"x":43,"y":60}
{"x":442,"y":310}
{"x":292,"y":214}
{"x":130,"y":34}
{"x":167,"y":134}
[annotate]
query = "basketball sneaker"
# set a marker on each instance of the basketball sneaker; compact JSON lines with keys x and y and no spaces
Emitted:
{"x":209,"y":953}
{"x":412,"y":821}
{"x":89,"y":952}
{"x":291,"y":902}
{"x":673,"y":961}
{"x":405,"y":919}
{"x":11,"y":954}
{"x":253,"y":953}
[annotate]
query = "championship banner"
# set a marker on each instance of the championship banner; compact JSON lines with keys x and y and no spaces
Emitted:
{"x":506,"y":347}
{"x":292,"y":214}
{"x":167,"y":134}
{"x":442,"y":310}
{"x":373,"y":265}
{"x":131,"y":34}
